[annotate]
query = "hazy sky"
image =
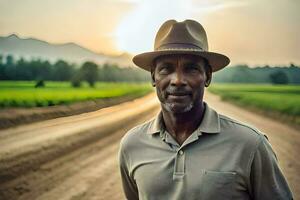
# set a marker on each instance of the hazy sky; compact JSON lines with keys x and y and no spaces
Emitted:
{"x":255,"y":32}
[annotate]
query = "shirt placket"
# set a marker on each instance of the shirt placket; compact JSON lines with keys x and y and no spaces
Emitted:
{"x":179,"y":168}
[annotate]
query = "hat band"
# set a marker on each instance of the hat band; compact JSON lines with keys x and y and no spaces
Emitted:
{"x":175,"y":46}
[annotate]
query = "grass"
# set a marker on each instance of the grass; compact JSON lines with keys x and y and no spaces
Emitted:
{"x":23,"y":93}
{"x":276,"y":99}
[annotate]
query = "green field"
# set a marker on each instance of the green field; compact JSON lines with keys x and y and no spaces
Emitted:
{"x":23,"y":93}
{"x":280,"y":99}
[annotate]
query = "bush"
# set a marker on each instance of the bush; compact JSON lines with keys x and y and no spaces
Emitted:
{"x":39,"y":83}
{"x":279,"y":77}
{"x":76,"y":80}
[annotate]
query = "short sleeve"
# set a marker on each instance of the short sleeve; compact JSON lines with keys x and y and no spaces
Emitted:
{"x":266,"y":178}
{"x":129,"y":185}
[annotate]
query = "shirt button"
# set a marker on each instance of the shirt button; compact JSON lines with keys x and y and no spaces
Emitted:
{"x":180,"y":152}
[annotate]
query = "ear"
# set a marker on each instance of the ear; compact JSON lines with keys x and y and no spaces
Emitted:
{"x":208,"y":76}
{"x":152,"y":78}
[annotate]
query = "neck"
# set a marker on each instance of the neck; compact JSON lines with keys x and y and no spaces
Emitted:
{"x":182,"y":125}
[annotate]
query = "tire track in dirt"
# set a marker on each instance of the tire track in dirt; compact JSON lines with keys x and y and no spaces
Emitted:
{"x":97,"y":175}
{"x":20,"y":153}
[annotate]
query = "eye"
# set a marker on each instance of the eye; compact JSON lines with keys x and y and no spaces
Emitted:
{"x":164,"y":68}
{"x":193,"y":68}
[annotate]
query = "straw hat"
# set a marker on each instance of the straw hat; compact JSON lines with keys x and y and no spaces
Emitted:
{"x":187,"y":37}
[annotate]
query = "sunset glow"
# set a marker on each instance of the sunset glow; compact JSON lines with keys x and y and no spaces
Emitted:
{"x":253,"y":32}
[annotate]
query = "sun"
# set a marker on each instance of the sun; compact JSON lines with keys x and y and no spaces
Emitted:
{"x":136,"y":32}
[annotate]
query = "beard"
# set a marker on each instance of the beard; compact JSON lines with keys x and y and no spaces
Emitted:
{"x":178,"y":105}
{"x":177,"y":109}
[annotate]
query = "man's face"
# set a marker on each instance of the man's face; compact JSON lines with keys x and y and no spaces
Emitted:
{"x":180,"y":82}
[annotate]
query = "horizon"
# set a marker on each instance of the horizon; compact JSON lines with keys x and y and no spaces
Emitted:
{"x":59,"y":43}
{"x":127,"y":53}
{"x":253,"y":33}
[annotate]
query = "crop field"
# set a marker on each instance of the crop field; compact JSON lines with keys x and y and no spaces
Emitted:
{"x":280,"y":99}
{"x":24,"y":94}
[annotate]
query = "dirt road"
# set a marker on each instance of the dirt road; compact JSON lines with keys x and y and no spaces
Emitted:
{"x":76,"y":157}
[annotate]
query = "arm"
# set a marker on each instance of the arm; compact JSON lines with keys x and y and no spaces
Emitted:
{"x":129,"y":185}
{"x":266,"y":178}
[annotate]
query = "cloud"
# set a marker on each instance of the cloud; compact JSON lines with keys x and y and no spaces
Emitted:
{"x":207,"y":6}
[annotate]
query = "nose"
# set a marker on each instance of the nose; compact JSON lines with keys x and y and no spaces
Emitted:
{"x":178,"y":79}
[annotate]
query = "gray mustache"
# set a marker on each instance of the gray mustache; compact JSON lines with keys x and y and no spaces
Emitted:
{"x":175,"y":91}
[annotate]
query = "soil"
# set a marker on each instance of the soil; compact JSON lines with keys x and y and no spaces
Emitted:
{"x":75,"y":157}
{"x":11,"y":117}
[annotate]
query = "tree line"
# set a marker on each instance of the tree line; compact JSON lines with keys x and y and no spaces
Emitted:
{"x":37,"y":69}
{"x":266,"y":74}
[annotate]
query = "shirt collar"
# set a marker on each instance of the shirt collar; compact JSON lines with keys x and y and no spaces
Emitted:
{"x":210,"y":122}
{"x":156,"y":125}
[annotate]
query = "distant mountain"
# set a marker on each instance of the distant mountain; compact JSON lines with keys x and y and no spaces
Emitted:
{"x":33,"y":48}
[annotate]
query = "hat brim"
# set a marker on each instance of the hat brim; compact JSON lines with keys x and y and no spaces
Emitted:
{"x":146,"y":60}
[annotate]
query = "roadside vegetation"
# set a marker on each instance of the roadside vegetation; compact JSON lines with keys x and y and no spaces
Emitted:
{"x":26,"y":94}
{"x":277,"y":100}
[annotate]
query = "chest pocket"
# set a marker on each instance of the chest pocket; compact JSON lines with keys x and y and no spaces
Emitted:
{"x":217,"y":185}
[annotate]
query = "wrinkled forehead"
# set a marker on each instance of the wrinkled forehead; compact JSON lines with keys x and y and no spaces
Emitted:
{"x":185,"y":58}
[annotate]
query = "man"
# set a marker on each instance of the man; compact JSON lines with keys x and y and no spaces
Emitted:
{"x":189,"y":151}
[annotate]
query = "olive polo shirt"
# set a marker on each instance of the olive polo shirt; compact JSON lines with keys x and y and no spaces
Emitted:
{"x":222,"y":159}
